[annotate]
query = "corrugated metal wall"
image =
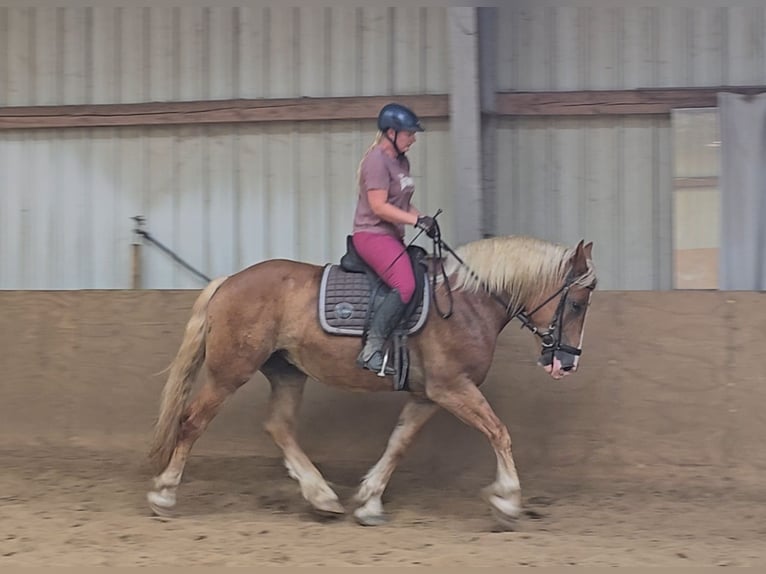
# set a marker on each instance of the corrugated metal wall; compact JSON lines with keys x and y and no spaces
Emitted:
{"x":126,"y":55}
{"x":221,"y":196}
{"x":226,"y":196}
{"x":595,"y":48}
{"x":610,"y":179}
{"x":602,"y":180}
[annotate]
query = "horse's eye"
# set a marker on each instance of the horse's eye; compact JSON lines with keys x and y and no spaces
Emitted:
{"x":576,"y":307}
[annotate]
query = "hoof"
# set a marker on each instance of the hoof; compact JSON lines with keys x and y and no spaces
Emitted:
{"x":505,"y":522}
{"x":329,"y":508}
{"x":161,"y":505}
{"x":161,"y":512}
{"x":370,"y":519}
{"x":505,"y":511}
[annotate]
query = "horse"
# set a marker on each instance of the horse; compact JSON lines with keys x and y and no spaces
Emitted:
{"x":264,"y":318}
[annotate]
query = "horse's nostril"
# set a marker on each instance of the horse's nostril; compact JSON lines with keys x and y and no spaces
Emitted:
{"x":567,"y":368}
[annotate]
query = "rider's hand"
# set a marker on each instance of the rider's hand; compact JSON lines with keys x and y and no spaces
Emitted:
{"x":427,"y":224}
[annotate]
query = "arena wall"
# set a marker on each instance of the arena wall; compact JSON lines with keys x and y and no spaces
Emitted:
{"x":667,"y":379}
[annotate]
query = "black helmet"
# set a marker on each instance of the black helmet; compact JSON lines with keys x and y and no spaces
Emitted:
{"x":398,"y":117}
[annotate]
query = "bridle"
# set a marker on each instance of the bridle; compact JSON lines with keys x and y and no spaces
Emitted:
{"x":550,"y":339}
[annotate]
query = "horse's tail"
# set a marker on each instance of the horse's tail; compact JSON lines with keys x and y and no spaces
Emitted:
{"x":183,"y":371}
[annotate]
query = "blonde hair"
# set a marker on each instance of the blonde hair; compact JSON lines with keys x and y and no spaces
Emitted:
{"x":376,"y":141}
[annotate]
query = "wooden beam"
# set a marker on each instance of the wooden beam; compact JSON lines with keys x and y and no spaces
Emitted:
{"x":700,"y":182}
{"x":216,"y":111}
{"x":579,"y":103}
{"x":613,"y":102}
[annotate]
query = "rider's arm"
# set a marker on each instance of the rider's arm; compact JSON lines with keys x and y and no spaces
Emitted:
{"x":388,"y":212}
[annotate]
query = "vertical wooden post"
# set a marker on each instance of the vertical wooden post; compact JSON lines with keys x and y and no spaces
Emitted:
{"x":487,"y":26}
{"x":136,"y":253}
{"x":465,"y":124}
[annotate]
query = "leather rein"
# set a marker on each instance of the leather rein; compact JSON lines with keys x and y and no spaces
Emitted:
{"x":550,"y":339}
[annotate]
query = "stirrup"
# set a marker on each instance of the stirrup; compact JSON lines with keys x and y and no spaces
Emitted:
{"x":384,"y":364}
{"x":382,"y":372}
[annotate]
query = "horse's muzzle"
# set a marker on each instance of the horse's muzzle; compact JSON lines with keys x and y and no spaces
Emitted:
{"x":558,"y":364}
{"x":568,"y":360}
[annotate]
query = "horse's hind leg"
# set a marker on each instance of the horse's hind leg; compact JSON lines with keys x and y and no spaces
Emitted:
{"x":196,"y":418}
{"x":287,"y":384}
{"x":415,"y":414}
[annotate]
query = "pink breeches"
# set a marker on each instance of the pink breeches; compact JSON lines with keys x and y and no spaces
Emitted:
{"x":379,"y":251}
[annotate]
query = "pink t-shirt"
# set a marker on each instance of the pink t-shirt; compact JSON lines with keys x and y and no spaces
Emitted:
{"x":380,"y":171}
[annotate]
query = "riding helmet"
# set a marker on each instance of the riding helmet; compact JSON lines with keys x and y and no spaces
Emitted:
{"x":398,"y":117}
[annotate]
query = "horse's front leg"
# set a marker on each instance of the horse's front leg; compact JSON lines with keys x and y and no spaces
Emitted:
{"x":414,"y":415}
{"x":463,"y":399}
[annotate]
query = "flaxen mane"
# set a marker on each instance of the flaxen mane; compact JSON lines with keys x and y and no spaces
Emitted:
{"x":518,"y":267}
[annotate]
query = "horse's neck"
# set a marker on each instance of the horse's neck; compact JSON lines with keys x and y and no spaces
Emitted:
{"x":479,"y":308}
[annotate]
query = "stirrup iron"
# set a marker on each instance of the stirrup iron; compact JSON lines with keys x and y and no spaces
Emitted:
{"x":382,"y":372}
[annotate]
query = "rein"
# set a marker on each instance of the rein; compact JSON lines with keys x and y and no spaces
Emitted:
{"x":438,"y":259}
{"x":550,"y":339}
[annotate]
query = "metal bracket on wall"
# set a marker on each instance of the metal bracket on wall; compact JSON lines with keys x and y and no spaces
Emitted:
{"x":142,"y":234}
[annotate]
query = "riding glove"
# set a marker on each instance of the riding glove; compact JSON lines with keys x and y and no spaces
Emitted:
{"x":427,"y":224}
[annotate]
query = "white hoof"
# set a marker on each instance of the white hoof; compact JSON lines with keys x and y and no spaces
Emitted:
{"x":161,"y":502}
{"x":328,"y":507}
{"x":505,"y":522}
{"x":505,"y":507}
{"x":371,"y":512}
{"x":322,"y":498}
{"x":367,"y":519}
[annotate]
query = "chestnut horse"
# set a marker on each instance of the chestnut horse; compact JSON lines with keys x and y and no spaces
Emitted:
{"x":265,"y":318}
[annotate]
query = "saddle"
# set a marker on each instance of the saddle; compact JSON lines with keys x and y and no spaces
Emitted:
{"x":350,"y":292}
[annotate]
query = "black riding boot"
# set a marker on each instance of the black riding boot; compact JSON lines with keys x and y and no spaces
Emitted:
{"x":384,"y":321}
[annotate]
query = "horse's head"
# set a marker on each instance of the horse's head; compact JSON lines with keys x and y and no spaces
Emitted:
{"x":558,"y":316}
{"x":545,"y":285}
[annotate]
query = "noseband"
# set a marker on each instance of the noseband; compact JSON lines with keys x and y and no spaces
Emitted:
{"x":550,"y":339}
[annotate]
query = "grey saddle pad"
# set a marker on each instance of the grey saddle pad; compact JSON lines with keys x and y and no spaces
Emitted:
{"x":343,"y":301}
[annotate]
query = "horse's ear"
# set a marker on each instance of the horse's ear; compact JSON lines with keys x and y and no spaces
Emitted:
{"x":580,"y":259}
{"x":589,"y":250}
